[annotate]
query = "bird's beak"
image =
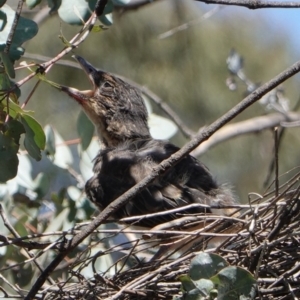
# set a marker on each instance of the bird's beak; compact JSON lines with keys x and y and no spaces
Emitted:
{"x":82,"y":96}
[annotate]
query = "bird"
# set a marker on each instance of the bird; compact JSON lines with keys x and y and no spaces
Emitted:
{"x":128,"y":154}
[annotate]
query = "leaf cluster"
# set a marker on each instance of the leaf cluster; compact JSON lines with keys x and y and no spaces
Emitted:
{"x":210,"y":277}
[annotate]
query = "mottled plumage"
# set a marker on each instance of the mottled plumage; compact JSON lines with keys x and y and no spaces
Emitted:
{"x":129,"y":155}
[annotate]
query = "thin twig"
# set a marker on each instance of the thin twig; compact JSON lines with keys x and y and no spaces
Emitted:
{"x":187,"y":25}
{"x":276,"y":161}
{"x":252,"y":125}
{"x":14,"y":26}
{"x":254,"y":4}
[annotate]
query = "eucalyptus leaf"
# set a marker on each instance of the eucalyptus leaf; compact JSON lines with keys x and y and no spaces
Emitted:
{"x":8,"y":65}
{"x":205,"y":265}
{"x":74,"y":12}
{"x":63,"y":156}
{"x":234,"y":283}
{"x":50,"y":146}
{"x":54,"y":5}
{"x":186,"y":282}
{"x":32,"y":3}
{"x":41,"y":185}
{"x":34,"y":137}
{"x":58,"y":222}
{"x":161,"y":128}
{"x":14,"y":129}
{"x":204,"y":285}
{"x":120,"y":2}
{"x":85,"y":129}
{"x":106,"y":19}
{"x":26,"y":29}
{"x":24,"y":176}
{"x":20,"y":226}
{"x":2,"y":2}
{"x":8,"y":158}
{"x":86,"y":162}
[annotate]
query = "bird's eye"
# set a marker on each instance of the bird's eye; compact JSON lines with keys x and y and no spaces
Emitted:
{"x":107,"y":85}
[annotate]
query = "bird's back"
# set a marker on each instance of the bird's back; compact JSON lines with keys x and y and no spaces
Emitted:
{"x":118,"y":169}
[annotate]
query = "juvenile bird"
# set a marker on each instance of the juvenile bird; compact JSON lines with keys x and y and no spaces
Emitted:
{"x":129,"y":154}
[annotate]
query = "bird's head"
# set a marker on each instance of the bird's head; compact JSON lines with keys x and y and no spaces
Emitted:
{"x":114,"y":106}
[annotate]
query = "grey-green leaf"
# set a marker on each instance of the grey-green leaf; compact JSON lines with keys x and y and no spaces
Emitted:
{"x":2,"y":2}
{"x":204,"y":285}
{"x":74,"y":12}
{"x":50,"y":146}
{"x":85,"y":129}
{"x":205,"y":265}
{"x":8,"y":65}
{"x":26,"y":30}
{"x":32,"y":3}
{"x":186,"y":282}
{"x":34,"y":137}
{"x":41,"y":184}
{"x":14,"y":129}
{"x":234,"y":283}
{"x":8,"y":158}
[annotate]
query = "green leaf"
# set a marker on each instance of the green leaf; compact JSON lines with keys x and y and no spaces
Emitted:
{"x":120,"y":2}
{"x":73,"y":12}
{"x":14,"y":129}
{"x":205,"y":265}
{"x":204,"y":285}
{"x":234,"y":283}
{"x":63,"y":156}
{"x":26,"y":30}
{"x":34,"y":137}
{"x":54,"y":5}
{"x":5,"y":83}
{"x":50,"y":146}
{"x":98,"y":28}
{"x":32,"y":3}
{"x":186,"y":282}
{"x":14,"y":109}
{"x":8,"y":65}
{"x":2,"y":2}
{"x":85,"y":129}
{"x":8,"y":158}
{"x":20,"y":226}
{"x":106,"y":19}
{"x":41,"y":184}
{"x":194,"y":295}
{"x":109,"y":7}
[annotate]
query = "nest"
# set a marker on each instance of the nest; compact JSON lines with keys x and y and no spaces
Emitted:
{"x":264,"y":239}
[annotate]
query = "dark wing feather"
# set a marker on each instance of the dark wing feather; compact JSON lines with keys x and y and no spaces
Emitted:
{"x":117,"y":170}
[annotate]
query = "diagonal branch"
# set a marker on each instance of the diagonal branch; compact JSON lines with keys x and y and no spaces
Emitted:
{"x":161,"y":169}
{"x":255,"y":4}
{"x":245,"y":127}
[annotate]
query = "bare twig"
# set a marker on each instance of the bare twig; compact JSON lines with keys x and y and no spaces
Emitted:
{"x":187,"y":25}
{"x":276,"y":161}
{"x":244,"y":127}
{"x":254,"y":4}
{"x":14,"y":26}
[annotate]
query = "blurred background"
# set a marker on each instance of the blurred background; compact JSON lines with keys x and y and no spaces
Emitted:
{"x":188,"y":71}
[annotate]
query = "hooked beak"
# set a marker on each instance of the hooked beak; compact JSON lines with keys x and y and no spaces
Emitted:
{"x":92,"y":73}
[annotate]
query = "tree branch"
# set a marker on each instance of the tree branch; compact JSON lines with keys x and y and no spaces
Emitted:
{"x":254,"y":4}
{"x":249,"y":126}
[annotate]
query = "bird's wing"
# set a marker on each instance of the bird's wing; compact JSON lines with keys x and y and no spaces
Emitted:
{"x":186,"y":183}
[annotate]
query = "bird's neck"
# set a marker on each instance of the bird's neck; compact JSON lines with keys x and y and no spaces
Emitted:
{"x":114,"y":133}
